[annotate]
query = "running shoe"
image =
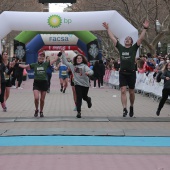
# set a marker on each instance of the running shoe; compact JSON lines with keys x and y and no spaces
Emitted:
{"x":41,"y":114}
{"x":5,"y":109}
{"x":89,"y":103}
{"x":78,"y":115}
{"x":36,"y":113}
{"x":158,"y":112}
{"x":125,"y":112}
{"x":64,"y":90}
{"x":131,"y":113}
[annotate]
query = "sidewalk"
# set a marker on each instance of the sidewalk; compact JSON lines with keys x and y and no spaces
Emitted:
{"x":106,"y":112}
{"x":104,"y":119}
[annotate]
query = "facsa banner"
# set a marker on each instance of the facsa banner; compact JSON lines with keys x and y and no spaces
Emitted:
{"x":59,"y":39}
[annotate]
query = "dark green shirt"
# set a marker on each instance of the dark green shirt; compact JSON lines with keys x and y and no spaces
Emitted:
{"x":127,"y":56}
{"x":40,"y":70}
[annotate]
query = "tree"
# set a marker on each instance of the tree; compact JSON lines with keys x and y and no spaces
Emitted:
{"x":135,"y":11}
{"x":18,"y":5}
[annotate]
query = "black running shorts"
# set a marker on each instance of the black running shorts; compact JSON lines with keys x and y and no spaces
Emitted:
{"x":127,"y":79}
{"x":40,"y":85}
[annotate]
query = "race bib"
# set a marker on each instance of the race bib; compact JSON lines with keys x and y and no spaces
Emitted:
{"x":6,"y":76}
{"x":63,"y":73}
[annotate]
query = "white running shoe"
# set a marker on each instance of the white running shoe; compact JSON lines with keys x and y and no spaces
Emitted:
{"x":5,"y":109}
{"x":13,"y":87}
{"x":19,"y":88}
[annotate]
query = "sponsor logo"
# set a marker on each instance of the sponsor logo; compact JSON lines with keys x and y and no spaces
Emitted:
{"x":54,"y":39}
{"x":40,"y":68}
{"x":55,"y":21}
{"x":125,"y":53}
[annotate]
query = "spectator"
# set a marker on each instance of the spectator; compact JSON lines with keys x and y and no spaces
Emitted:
{"x":101,"y":72}
{"x":96,"y":73}
{"x":19,"y":74}
{"x":50,"y":69}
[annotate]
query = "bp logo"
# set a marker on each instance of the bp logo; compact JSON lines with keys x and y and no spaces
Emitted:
{"x":54,"y":21}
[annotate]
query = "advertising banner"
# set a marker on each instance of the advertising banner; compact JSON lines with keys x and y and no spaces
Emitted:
{"x":60,"y":48}
{"x":72,"y":21}
{"x":59,"y":39}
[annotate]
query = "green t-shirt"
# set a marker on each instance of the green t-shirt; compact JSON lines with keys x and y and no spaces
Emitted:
{"x":127,"y":56}
{"x":40,"y":70}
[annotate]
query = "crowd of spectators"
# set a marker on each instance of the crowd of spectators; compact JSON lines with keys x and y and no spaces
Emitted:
{"x":144,"y":63}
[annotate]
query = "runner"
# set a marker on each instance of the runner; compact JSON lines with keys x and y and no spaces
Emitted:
{"x":40,"y":85}
{"x":80,"y":72}
{"x":166,"y":89}
{"x":63,"y":76}
{"x":127,"y":73}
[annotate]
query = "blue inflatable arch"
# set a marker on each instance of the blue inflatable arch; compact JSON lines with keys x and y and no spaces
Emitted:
{"x":37,"y":43}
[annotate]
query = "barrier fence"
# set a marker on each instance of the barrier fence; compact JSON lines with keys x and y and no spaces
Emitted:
{"x":144,"y":84}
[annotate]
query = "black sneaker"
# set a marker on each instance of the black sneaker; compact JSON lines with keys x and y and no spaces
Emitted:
{"x":131,"y":113}
{"x":36,"y":113}
{"x":41,"y":114}
{"x":125,"y":112}
{"x":64,"y":90}
{"x":158,"y":112}
{"x":78,"y":115}
{"x":61,"y":89}
{"x":89,"y":103}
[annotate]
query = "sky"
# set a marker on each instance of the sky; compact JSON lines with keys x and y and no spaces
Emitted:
{"x":53,"y":7}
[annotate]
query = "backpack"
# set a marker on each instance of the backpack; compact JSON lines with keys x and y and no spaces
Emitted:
{"x":158,"y":76}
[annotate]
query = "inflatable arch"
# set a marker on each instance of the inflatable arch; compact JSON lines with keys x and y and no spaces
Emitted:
{"x":61,"y":22}
{"x":40,"y":40}
{"x":86,"y":38}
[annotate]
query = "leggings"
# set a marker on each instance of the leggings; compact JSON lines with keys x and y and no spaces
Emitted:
{"x":2,"y":92}
{"x":165,"y":94}
{"x":81,"y":93}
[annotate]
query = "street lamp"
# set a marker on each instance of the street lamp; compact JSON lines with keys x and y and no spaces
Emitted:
{"x":159,"y":44}
{"x":158,"y":26}
{"x":3,"y":44}
{"x":158,"y":29}
{"x":159,"y":47}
